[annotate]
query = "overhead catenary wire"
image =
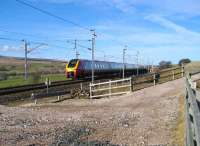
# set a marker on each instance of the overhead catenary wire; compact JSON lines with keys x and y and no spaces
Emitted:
{"x":47,"y":38}
{"x":63,"y":19}
{"x":19,"y":33}
{"x":26,"y":3}
{"x":57,"y":17}
{"x":47,"y":44}
{"x":24,"y":34}
{"x":9,"y":39}
{"x":53,"y":45}
{"x":58,"y":46}
{"x":19,"y":40}
{"x":33,"y":42}
{"x":52,"y":15}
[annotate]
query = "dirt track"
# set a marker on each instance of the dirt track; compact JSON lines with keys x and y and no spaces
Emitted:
{"x":145,"y":117}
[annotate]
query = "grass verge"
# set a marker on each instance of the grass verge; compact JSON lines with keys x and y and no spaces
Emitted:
{"x":179,"y":129}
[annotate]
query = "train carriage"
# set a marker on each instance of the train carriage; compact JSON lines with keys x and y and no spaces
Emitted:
{"x":80,"y":68}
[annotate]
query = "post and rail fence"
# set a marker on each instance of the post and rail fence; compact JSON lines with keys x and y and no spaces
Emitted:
{"x":192,"y":110}
{"x":192,"y":98}
{"x":127,"y":85}
{"x":110,"y":88}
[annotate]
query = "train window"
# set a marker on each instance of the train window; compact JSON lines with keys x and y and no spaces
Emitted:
{"x":88,"y":65}
{"x":72,"y":63}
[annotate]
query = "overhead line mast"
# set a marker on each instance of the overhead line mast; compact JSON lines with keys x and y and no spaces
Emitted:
{"x":75,"y":48}
{"x":24,"y":2}
{"x":25,"y":59}
{"x":26,"y":51}
{"x":93,"y":49}
{"x":124,"y":52}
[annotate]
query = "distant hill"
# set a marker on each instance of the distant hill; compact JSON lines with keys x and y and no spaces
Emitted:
{"x":16,"y":65}
{"x":32,"y":59}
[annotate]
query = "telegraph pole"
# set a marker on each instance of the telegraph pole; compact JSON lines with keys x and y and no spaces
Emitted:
{"x":93,"y":47}
{"x":124,"y":52}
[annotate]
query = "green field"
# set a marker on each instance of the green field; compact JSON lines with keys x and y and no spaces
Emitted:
{"x":19,"y":80}
{"x":12,"y":71}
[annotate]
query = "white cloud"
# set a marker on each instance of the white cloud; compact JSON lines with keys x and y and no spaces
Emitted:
{"x":181,"y":35}
{"x":7,"y":48}
{"x":169,"y":7}
{"x":138,"y":36}
{"x":170,"y":25}
{"x":141,"y":35}
{"x":122,"y":5}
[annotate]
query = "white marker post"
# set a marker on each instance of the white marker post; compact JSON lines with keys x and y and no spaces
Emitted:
{"x":47,"y":83}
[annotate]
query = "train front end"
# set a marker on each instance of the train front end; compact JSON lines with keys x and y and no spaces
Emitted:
{"x":72,"y":69}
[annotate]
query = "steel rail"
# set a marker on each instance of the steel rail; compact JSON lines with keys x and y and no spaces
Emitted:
{"x":23,"y":88}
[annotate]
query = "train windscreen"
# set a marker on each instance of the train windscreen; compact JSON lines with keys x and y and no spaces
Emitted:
{"x":72,"y":63}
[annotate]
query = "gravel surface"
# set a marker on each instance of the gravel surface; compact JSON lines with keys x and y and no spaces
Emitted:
{"x":145,"y":117}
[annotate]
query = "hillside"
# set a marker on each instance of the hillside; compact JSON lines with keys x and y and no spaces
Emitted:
{"x":193,"y":67}
{"x":16,"y":65}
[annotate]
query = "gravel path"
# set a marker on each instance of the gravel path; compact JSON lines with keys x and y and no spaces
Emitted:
{"x":145,"y":117}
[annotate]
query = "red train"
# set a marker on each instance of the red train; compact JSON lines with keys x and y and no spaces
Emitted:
{"x":80,"y":68}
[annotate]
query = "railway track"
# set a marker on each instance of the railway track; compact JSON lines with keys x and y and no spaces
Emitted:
{"x":30,"y":87}
{"x":18,"y":89}
{"x":56,"y":88}
{"x":40,"y":90}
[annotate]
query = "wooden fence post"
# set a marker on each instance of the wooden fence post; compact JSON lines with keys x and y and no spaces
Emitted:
{"x":81,"y":85}
{"x":90,"y":90}
{"x":110,"y":88}
{"x":182,"y":70}
{"x":154,"y":79}
{"x":131,"y":84}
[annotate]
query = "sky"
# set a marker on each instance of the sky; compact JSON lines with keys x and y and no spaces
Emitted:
{"x":157,"y":30}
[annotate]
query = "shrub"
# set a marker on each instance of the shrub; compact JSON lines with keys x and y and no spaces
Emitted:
{"x":165,"y":64}
{"x":3,"y":76}
{"x":184,"y":61}
{"x":3,"y":68}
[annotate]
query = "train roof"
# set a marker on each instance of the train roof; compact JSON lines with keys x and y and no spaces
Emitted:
{"x":101,"y":61}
